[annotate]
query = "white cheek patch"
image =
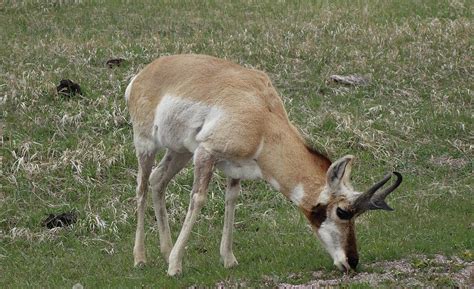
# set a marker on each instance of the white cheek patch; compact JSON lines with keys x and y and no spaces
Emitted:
{"x":331,"y":238}
{"x":297,"y":194}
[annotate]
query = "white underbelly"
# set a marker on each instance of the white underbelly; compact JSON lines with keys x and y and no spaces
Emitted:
{"x":244,"y":170}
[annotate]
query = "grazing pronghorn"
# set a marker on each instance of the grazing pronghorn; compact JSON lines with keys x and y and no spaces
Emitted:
{"x":226,"y":116}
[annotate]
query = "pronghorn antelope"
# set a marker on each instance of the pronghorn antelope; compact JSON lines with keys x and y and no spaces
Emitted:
{"x":223,"y":115}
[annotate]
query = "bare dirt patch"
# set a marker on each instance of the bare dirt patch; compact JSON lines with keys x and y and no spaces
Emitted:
{"x":417,"y":271}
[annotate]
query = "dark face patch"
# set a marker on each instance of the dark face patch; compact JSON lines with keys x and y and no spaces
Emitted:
{"x":350,"y":247}
{"x":318,"y":215}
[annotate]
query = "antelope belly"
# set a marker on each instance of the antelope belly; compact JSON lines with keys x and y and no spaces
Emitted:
{"x":245,"y":170}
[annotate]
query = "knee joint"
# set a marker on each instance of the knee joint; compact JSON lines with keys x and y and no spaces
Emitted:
{"x":231,"y":199}
{"x":199,"y":200}
{"x":154,"y":177}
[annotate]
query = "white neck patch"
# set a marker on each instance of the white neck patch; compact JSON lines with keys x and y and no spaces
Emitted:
{"x":297,"y":194}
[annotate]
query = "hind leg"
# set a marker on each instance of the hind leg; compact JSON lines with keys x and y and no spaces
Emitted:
{"x":203,"y":167}
{"x":145,"y":164}
{"x":168,"y":167}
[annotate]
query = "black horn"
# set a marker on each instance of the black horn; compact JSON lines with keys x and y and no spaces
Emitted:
{"x":374,"y":199}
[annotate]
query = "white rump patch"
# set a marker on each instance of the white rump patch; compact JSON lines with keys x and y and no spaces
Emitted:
{"x":181,"y":124}
{"x":297,"y":194}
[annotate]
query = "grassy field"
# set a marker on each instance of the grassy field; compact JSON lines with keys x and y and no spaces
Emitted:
{"x":75,"y":154}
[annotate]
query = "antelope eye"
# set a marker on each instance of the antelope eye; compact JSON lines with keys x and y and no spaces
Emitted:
{"x":344,"y":215}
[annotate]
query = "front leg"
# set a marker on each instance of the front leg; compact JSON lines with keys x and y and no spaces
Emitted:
{"x":203,"y":167}
{"x":231,"y":195}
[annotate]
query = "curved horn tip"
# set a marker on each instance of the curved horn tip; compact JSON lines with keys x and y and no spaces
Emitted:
{"x":398,"y":175}
{"x":381,"y":205}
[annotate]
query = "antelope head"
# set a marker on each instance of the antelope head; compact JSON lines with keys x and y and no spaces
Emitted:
{"x":339,"y":204}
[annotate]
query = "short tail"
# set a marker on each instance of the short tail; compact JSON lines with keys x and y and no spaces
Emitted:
{"x":129,"y":88}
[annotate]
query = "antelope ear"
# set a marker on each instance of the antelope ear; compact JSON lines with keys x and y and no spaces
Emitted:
{"x":339,"y":171}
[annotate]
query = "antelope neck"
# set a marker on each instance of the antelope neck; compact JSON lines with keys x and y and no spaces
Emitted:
{"x":294,"y":170}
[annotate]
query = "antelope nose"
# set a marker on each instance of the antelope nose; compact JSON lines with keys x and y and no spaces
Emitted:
{"x":353,"y":261}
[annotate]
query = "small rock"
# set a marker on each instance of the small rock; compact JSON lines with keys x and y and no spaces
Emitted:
{"x":77,"y":286}
{"x":68,"y":88}
{"x":350,"y":79}
{"x":114,"y":62}
{"x":61,"y":220}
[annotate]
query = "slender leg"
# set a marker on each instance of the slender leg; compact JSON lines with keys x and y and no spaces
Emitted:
{"x":231,"y":195}
{"x":168,"y":167}
{"x":203,"y":167}
{"x":145,"y":164}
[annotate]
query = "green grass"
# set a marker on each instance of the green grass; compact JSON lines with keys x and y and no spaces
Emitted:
{"x":62,"y":154}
